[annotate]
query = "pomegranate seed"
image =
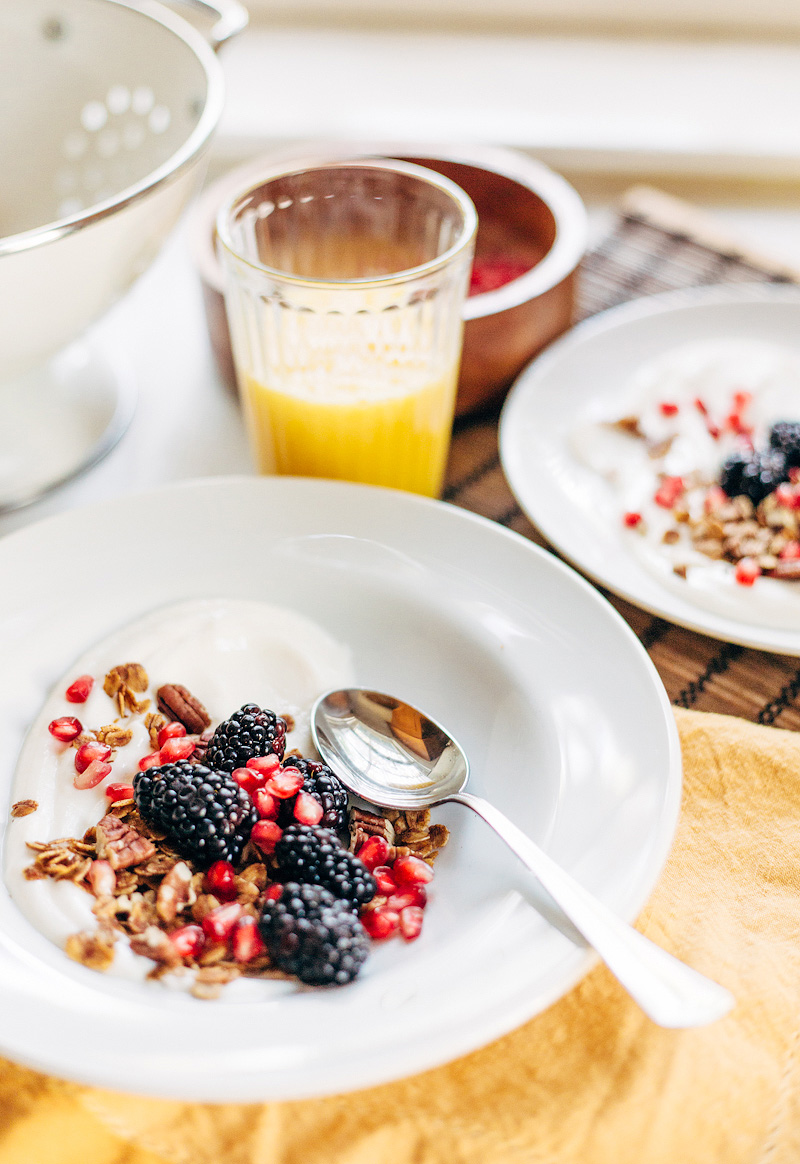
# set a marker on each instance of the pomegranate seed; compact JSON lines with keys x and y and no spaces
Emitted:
{"x":790,"y":552}
{"x":266,"y":835}
{"x":669,"y":491}
{"x":266,"y":765}
{"x":188,"y":940}
{"x":700,"y":405}
{"x":307,"y":809}
{"x":267,"y":805}
{"x":735,"y":423}
{"x":747,"y":570}
{"x":149,"y":761}
{"x":119,"y":792}
{"x":374,"y":852}
{"x":177,"y":749}
{"x":285,"y":783}
{"x":715,"y":497}
{"x":247,"y":943}
{"x":102,"y":878}
{"x":410,"y":870}
{"x":631,"y":519}
{"x":247,"y":779}
{"x":274,"y":892}
{"x":385,"y":880}
{"x":66,"y":728}
{"x":668,"y":408}
{"x":741,"y":400}
{"x":80,"y":689}
{"x":407,"y":895}
{"x":492,"y":271}
{"x":380,"y":923}
{"x":171,"y":731}
{"x":410,"y":922}
{"x":218,"y":925}
{"x":219,"y":880}
{"x":89,"y":752}
{"x":89,"y":777}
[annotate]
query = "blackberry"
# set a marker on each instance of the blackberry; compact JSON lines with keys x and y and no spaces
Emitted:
{"x":315,"y":855}
{"x":785,"y":436}
{"x":205,"y":814}
{"x":321,"y":783}
{"x":313,"y":935}
{"x":251,"y":731}
{"x":753,"y":473}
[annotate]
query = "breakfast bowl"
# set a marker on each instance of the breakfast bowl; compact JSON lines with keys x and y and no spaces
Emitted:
{"x":108,"y":152}
{"x":532,"y":231}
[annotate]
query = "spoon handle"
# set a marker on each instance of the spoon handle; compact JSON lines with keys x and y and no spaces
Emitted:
{"x":667,"y":990}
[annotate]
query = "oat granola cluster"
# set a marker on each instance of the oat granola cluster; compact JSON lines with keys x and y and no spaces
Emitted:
{"x":247,"y":912}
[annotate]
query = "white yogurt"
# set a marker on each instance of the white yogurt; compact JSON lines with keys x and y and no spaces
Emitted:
{"x":227,"y":653}
{"x":711,"y":372}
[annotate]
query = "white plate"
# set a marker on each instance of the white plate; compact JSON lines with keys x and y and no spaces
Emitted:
{"x":568,"y":502}
{"x":562,"y":713}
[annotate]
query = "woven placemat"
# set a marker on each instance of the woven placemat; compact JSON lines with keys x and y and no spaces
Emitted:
{"x":656,"y":244}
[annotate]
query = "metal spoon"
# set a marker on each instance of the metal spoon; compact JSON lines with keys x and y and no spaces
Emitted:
{"x":391,"y":754}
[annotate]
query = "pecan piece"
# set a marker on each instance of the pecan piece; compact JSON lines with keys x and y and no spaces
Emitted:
{"x":123,"y":683}
{"x":93,"y":950}
{"x":175,"y":892}
{"x":628,"y":424}
{"x":121,"y":845}
{"x":788,"y":569}
{"x":177,"y":703}
{"x":154,"y":721}
{"x":24,"y":808}
{"x":113,"y":735}
{"x":155,"y":944}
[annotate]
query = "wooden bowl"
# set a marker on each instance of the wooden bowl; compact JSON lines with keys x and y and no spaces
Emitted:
{"x":526,"y":213}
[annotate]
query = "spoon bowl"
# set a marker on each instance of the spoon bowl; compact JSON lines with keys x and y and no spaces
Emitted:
{"x":386,"y":751}
{"x":391,"y":754}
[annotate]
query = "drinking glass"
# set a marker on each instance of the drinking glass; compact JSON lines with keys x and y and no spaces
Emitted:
{"x":345,"y":282}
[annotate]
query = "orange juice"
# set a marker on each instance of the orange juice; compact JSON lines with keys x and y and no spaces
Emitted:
{"x":391,"y":434}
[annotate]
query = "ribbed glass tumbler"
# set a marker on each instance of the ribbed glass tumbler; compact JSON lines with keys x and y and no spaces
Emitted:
{"x":345,"y":283}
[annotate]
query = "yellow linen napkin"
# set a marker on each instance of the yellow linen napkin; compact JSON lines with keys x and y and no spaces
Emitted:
{"x":590,"y":1081}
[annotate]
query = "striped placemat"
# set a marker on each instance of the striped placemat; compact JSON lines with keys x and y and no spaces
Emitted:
{"x":655,"y":244}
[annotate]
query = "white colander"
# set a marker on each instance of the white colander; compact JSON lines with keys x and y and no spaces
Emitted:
{"x":106,"y":108}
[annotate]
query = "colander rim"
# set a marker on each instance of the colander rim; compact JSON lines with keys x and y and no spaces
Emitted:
{"x":186,"y":153}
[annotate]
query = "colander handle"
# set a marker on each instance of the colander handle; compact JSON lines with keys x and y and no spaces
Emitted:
{"x":232,"y":18}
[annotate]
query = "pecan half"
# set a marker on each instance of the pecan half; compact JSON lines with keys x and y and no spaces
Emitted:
{"x":175,"y":892}
{"x":121,"y":845}
{"x":177,"y":703}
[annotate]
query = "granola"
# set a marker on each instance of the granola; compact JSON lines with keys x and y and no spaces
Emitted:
{"x":186,"y":916}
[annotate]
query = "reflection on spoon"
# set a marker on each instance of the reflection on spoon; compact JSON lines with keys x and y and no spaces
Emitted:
{"x":391,"y":754}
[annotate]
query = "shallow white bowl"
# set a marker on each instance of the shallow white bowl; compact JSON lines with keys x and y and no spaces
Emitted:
{"x":563,"y":715}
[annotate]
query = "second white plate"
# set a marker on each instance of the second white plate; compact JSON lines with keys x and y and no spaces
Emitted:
{"x":569,"y":503}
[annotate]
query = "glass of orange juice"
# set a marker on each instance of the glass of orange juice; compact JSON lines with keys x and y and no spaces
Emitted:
{"x":345,"y":282}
